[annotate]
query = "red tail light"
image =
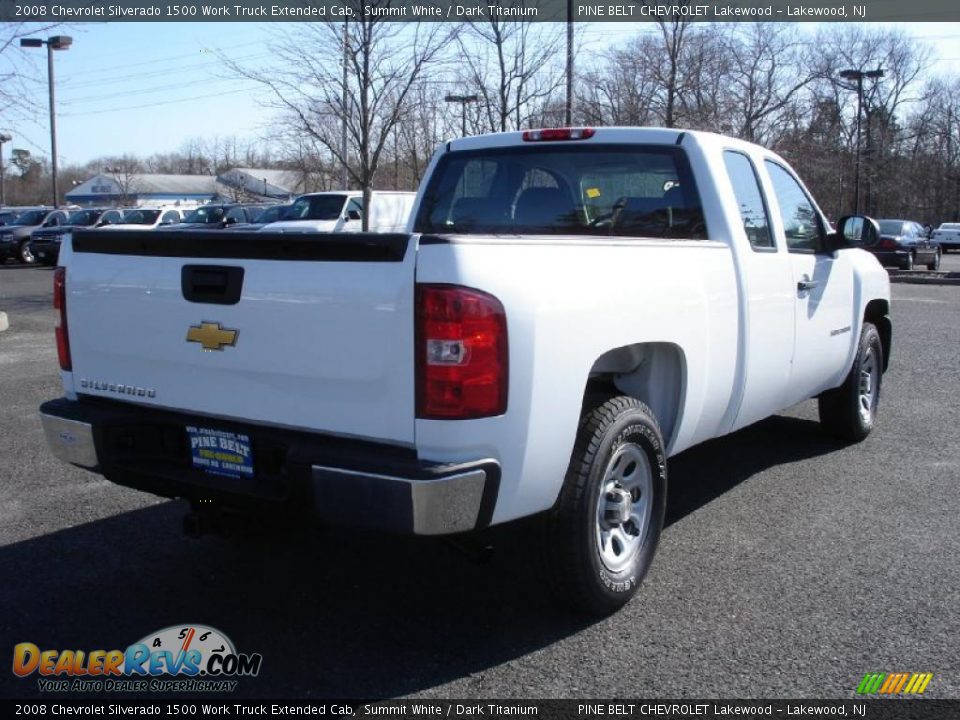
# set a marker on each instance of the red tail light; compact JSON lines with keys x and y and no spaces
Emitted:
{"x":558,"y":134}
{"x":888,"y":244}
{"x":60,"y":303}
{"x":462,"y":365}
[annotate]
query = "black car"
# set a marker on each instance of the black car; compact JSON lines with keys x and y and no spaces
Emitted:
{"x":215,"y":217}
{"x":7,"y":216}
{"x":45,"y":242}
{"x":904,"y":244}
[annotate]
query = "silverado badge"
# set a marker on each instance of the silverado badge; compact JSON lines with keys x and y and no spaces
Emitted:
{"x":211,"y":336}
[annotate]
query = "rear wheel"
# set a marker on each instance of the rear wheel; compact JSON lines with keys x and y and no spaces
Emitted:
{"x":908,"y":262}
{"x":849,"y":411}
{"x":935,"y":263}
{"x":26,"y":257}
{"x":603,"y":532}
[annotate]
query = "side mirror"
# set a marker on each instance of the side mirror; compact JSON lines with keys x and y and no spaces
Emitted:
{"x":229,"y":221}
{"x":853,"y":231}
{"x":353,"y":215}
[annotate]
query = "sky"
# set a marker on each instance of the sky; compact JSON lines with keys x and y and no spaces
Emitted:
{"x":145,"y":88}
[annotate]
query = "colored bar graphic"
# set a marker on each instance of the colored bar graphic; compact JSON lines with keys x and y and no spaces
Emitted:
{"x":894,"y":683}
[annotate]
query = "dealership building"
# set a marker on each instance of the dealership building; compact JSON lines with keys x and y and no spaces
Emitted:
{"x":238,"y":184}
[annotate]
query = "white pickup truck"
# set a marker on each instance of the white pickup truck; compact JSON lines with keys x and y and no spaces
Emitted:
{"x":569,"y":308}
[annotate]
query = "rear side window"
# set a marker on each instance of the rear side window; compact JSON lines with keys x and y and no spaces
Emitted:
{"x":594,"y":190}
{"x":746,"y":188}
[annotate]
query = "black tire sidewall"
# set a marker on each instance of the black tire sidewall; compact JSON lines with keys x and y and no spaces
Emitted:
{"x":631,"y":427}
{"x":869,"y":337}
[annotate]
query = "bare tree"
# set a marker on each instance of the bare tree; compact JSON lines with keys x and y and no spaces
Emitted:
{"x":384,"y":60}
{"x":512,"y":66}
{"x":124,"y":171}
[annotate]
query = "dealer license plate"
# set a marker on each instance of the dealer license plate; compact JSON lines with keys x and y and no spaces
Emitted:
{"x":221,"y":453}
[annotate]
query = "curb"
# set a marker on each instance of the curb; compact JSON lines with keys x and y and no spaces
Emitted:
{"x":925,"y":278}
{"x":4,"y":323}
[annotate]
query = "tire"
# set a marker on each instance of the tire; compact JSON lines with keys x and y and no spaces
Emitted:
{"x":603,"y":531}
{"x":935,"y":264}
{"x":849,"y":412}
{"x":24,"y":254}
{"x":908,"y":263}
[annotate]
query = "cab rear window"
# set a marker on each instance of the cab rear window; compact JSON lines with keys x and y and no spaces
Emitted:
{"x":595,"y":190}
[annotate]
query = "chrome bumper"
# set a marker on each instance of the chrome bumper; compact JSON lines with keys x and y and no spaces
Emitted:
{"x":70,"y":440}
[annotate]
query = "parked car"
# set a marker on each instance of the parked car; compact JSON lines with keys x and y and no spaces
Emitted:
{"x":904,"y":244}
{"x":15,"y":238}
{"x":45,"y":242}
{"x":8,"y":215}
{"x":147,"y":218}
{"x":331,"y":212}
{"x":217,"y":217}
{"x":948,"y":236}
{"x":268,"y":215}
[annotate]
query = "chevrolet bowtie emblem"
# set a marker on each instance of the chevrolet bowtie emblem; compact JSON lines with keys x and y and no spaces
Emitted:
{"x":211,"y":336}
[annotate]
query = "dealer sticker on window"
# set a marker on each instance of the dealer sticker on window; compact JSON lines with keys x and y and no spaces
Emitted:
{"x":221,"y":453}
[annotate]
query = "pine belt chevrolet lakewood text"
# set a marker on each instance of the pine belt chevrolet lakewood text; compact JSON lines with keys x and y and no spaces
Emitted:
{"x":568,"y":309}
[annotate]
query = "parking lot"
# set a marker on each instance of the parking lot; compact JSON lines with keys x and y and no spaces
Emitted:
{"x":790,"y":567}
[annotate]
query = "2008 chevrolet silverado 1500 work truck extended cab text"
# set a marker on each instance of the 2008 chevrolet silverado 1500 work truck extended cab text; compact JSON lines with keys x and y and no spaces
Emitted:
{"x":569,"y":308}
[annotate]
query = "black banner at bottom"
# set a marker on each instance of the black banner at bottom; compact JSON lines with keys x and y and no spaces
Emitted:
{"x":892,"y":709}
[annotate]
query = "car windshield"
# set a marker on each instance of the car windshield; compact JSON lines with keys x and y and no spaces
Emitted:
{"x":141,"y":217}
{"x":31,"y":217}
{"x":317,"y":207}
{"x":620,"y":190}
{"x":83,"y":217}
{"x":272,"y":214}
{"x":206,"y":215}
{"x":891,"y":227}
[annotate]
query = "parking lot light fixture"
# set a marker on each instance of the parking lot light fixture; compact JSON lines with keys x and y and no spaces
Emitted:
{"x":463,"y":100}
{"x":56,"y":42}
{"x":857,"y":77}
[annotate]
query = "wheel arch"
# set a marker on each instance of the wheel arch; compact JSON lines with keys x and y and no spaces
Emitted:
{"x":878,"y":313}
{"x":652,"y":372}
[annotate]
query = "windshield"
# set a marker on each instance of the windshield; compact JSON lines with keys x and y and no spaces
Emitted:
{"x":622,"y":190}
{"x":83,"y":217}
{"x":207,"y":215}
{"x":891,"y":227}
{"x":31,"y":217}
{"x":317,"y":207}
{"x":141,"y":217}
{"x":272,"y":214}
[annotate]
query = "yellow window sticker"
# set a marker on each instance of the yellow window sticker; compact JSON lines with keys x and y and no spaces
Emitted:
{"x":593,"y":193}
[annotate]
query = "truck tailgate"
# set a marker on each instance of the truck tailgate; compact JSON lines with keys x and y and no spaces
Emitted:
{"x":301,"y":331}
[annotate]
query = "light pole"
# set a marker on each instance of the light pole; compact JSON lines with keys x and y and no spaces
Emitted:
{"x":4,"y":138}
{"x":568,"y":102}
{"x":463,"y":100}
{"x":57,"y":42}
{"x":858,"y":76}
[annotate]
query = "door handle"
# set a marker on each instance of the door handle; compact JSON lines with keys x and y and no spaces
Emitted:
{"x":806,"y":284}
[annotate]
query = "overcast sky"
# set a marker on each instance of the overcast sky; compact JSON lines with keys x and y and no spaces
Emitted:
{"x":144,"y":88}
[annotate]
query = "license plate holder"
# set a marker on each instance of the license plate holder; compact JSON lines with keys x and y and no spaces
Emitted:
{"x":218,"y":452}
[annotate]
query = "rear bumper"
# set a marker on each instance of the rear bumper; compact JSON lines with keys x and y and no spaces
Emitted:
{"x":339,"y":481}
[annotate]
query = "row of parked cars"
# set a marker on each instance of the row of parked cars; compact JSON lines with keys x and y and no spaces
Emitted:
{"x":34,"y":234}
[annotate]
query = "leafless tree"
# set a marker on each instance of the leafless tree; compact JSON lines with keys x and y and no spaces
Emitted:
{"x":384,"y":60}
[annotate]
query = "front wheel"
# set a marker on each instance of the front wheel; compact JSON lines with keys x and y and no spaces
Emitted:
{"x":26,"y":257}
{"x":850,"y":411}
{"x":603,"y":532}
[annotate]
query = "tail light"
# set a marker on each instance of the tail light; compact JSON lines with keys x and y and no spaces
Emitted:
{"x":888,"y":244}
{"x":462,"y":362}
{"x":60,"y":303}
{"x":558,"y":134}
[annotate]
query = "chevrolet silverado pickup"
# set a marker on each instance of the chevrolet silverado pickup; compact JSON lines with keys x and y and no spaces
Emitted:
{"x":568,"y":309}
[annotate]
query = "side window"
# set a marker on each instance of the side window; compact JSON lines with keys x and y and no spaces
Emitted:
{"x":801,"y":223}
{"x":355,"y":205}
{"x":235,"y":215}
{"x":753,"y":210}
{"x":170,"y":217}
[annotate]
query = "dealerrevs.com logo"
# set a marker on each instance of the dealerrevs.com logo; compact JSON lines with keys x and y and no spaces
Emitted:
{"x":189,"y":658}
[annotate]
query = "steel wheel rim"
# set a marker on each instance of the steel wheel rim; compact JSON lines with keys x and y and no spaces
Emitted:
{"x":869,"y":386}
{"x":624,"y":507}
{"x":25,"y":254}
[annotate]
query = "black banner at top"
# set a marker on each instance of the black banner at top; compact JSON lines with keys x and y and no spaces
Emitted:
{"x":478,"y":10}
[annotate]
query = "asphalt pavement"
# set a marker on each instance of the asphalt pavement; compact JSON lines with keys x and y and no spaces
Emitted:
{"x":790,"y":567}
